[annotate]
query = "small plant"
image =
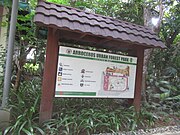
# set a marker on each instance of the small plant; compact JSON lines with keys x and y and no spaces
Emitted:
{"x":24,"y":104}
{"x":31,"y":68}
{"x":163,"y":81}
{"x":78,"y":117}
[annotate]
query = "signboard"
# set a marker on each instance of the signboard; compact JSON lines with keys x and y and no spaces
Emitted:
{"x":84,"y":73}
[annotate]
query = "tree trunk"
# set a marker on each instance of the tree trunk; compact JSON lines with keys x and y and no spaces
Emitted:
{"x":147,"y":54}
{"x":18,"y":78}
{"x":20,"y":63}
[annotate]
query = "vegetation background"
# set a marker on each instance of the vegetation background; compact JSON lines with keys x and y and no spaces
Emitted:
{"x":161,"y":91}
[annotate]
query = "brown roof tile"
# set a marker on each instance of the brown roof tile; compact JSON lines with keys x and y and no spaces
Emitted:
{"x":98,"y":25}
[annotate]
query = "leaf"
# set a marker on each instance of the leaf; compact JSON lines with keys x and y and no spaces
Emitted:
{"x":7,"y":130}
{"x":21,"y":127}
{"x":164,"y":82}
{"x":156,"y":96}
{"x":26,"y":131}
{"x":164,"y":90}
{"x":174,"y":98}
{"x":156,"y":84}
{"x":40,"y":130}
{"x":164,"y":95}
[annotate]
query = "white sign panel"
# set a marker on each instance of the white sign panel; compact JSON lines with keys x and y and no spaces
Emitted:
{"x":84,"y":73}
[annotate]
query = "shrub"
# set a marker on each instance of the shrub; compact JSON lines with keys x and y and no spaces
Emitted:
{"x":87,"y":116}
{"x":25,"y":106}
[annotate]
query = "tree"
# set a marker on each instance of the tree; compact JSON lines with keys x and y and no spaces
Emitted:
{"x":141,"y":12}
{"x":164,"y":65}
{"x":171,"y":23}
{"x":26,"y":42}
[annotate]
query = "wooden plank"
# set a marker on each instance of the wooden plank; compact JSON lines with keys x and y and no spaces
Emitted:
{"x":81,"y":37}
{"x":138,"y":84}
{"x":49,"y":77}
{"x":105,"y":40}
{"x":132,"y":52}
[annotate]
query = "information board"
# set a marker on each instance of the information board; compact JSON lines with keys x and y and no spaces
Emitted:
{"x":85,"y":73}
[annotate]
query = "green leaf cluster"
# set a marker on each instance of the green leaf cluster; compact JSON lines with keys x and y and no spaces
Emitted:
{"x":163,"y":82}
{"x":24,"y":105}
{"x":88,"y":116}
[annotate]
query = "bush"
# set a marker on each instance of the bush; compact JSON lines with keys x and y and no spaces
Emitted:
{"x":87,"y":116}
{"x":163,"y":80}
{"x":25,"y":106}
{"x":71,"y":115}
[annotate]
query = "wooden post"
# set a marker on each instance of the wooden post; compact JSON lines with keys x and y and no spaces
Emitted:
{"x":49,"y":76}
{"x":138,"y":84}
{"x":131,"y":52}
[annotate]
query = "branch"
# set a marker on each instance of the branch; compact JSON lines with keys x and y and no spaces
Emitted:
{"x":161,"y":14}
{"x":73,"y":2}
{"x":170,"y":40}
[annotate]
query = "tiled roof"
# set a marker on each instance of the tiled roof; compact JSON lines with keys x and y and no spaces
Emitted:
{"x":50,"y":14}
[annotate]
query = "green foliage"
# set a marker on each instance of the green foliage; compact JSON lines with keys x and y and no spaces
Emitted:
{"x":25,"y":27}
{"x":87,"y":116}
{"x":31,"y":68}
{"x":64,"y":2}
{"x":171,"y":23}
{"x":116,"y":9}
{"x":164,"y":79}
{"x":113,"y":8}
{"x":72,"y":116}
{"x":5,"y":2}
{"x":24,"y":105}
{"x":32,"y":4}
{"x":27,"y":41}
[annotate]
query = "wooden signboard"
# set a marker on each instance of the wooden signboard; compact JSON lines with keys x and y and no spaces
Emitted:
{"x":105,"y":75}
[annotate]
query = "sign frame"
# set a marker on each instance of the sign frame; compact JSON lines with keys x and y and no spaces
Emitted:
{"x":114,"y":72}
{"x":49,"y":76}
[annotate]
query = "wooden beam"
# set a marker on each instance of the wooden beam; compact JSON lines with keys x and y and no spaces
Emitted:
{"x":69,"y":35}
{"x":49,"y":76}
{"x":131,"y":52}
{"x":81,"y":37}
{"x":104,"y":41}
{"x":138,"y":84}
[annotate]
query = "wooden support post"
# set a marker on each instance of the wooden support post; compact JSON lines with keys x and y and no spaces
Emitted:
{"x":131,"y":52}
{"x":138,"y":84}
{"x":49,"y":76}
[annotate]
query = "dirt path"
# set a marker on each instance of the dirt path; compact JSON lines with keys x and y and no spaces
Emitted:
{"x":169,"y":130}
{"x":167,"y":133}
